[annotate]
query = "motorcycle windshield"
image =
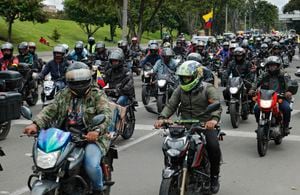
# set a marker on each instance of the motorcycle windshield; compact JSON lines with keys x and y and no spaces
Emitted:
{"x":53,"y":139}
{"x":266,"y":94}
{"x":235,"y":82}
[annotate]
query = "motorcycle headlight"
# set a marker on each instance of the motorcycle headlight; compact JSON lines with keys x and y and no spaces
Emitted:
{"x":46,"y":160}
{"x":262,"y":64}
{"x":95,"y":67}
{"x":35,"y":76}
{"x":265,"y":103}
{"x":161,"y":83}
{"x":175,"y":144}
{"x":173,"y":152}
{"x":233,"y":90}
{"x":147,"y":73}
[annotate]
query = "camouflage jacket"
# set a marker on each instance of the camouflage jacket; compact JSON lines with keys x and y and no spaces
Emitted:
{"x":95,"y":103}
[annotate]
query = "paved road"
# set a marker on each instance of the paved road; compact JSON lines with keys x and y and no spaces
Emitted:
{"x":138,"y":169}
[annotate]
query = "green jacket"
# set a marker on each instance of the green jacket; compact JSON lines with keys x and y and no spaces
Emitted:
{"x":95,"y":103}
{"x":193,"y":103}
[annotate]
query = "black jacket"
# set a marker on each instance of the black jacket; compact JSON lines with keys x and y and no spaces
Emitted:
{"x":57,"y":71}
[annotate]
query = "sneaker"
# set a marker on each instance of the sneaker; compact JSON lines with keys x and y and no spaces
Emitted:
{"x":215,"y":185}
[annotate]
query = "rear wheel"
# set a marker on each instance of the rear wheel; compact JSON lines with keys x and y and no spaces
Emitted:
{"x":169,"y":186}
{"x":262,"y":141}
{"x":4,"y":129}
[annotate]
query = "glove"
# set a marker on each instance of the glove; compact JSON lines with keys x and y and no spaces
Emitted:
{"x":210,"y":125}
{"x":251,"y":92}
{"x":30,"y":129}
{"x":92,"y":136}
{"x":288,"y":95}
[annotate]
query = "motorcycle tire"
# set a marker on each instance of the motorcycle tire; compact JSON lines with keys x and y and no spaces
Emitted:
{"x":145,"y":96}
{"x":32,"y":101}
{"x":262,"y":142}
{"x":4,"y":129}
{"x":167,"y":186}
{"x":160,"y":103}
{"x":234,"y":115}
{"x":278,"y":140}
{"x":129,"y":125}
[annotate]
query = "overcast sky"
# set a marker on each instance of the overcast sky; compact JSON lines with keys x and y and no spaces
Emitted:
{"x":58,"y":3}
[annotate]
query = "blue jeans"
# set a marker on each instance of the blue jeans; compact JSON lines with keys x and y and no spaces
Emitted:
{"x":122,"y":101}
{"x":91,"y":163}
{"x":284,"y":108}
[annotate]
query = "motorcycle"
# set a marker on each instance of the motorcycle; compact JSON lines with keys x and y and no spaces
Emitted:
{"x":179,"y":59}
{"x":239,"y":103}
{"x":187,"y":167}
{"x":136,"y":57}
{"x":29,"y":88}
{"x":58,"y":167}
{"x":125,"y":116}
{"x":1,"y":154}
{"x":165,"y":87}
{"x":148,"y":86}
{"x":214,"y":63}
{"x":270,"y":125}
{"x":50,"y":88}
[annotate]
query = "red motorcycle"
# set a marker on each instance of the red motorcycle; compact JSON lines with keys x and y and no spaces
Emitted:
{"x":270,"y":126}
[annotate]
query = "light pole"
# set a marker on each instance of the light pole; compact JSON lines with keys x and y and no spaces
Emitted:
{"x":124,"y":19}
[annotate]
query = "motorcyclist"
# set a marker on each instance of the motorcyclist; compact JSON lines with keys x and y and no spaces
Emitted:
{"x":179,"y":49}
{"x":152,"y":57}
{"x":75,"y":106}
{"x":224,"y":52}
{"x":8,"y":61}
{"x":166,"y":64}
{"x":200,"y":48}
{"x":264,"y":52}
{"x":127,"y":52}
{"x":194,"y":95}
{"x":91,"y":45}
{"x":134,"y":46}
{"x":37,"y":63}
{"x":56,"y":67}
{"x":24,"y":55}
{"x":207,"y":73}
{"x":239,"y":67}
{"x":118,"y":77}
{"x":248,"y":52}
{"x":79,"y":53}
{"x":230,"y":56}
{"x":213,"y":46}
{"x":167,"y":38}
{"x":276,"y":79}
{"x":101,"y":52}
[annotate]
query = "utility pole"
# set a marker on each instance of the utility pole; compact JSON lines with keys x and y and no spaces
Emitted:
{"x":124,"y":19}
{"x":226,"y":18}
{"x":245,"y":21}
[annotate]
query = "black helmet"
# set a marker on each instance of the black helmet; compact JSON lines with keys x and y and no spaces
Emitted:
{"x":79,"y":78}
{"x":116,"y":55}
{"x":239,"y":51}
{"x":276,"y":45}
{"x":195,"y":56}
{"x":273,"y":60}
{"x":264,"y":47}
{"x":91,"y":40}
{"x":100,"y":45}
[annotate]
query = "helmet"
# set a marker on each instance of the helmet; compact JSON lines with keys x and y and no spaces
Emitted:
{"x":200,"y":44}
{"x":91,"y":40}
{"x":213,"y":40}
{"x":167,"y":45}
{"x":66,"y":47}
{"x":233,"y":45}
{"x":124,"y":44}
{"x":275,"y":45}
{"x":258,"y":39}
{"x":245,"y":44}
{"x":31,"y":44}
{"x":134,"y":39}
{"x":153,"y":48}
{"x":100,"y":45}
{"x":167,"y":52}
{"x":264,"y":47}
{"x":79,"y":78}
{"x":7,"y":45}
{"x":23,"y":45}
{"x":151,"y":42}
{"x":195,"y":56}
{"x":189,"y":75}
{"x":239,"y":51}
{"x":116,"y":55}
{"x":226,"y":44}
{"x":78,"y":47}
{"x":271,"y":61}
{"x":59,"y":51}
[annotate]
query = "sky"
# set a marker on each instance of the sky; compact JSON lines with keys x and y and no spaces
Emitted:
{"x":58,"y":3}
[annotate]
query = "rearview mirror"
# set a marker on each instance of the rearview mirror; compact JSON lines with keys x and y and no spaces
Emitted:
{"x":213,"y":107}
{"x":98,"y":119}
{"x":26,"y":112}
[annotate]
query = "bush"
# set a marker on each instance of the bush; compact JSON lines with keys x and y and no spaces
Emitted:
{"x":55,"y":35}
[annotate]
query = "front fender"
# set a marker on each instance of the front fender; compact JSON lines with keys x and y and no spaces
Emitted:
{"x":42,"y":187}
{"x":168,"y":173}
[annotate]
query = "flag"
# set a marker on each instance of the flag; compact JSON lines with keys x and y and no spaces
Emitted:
{"x":100,"y":80}
{"x":208,"y":19}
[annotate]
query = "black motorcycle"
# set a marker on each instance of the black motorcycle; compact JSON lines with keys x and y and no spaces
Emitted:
{"x":1,"y":154}
{"x":136,"y":58}
{"x":239,"y":102}
{"x":58,"y":167}
{"x":29,"y":88}
{"x":125,"y":116}
{"x":187,"y":167}
{"x":148,"y":86}
{"x":166,"y":84}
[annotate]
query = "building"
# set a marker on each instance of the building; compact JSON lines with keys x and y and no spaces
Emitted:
{"x":50,"y":8}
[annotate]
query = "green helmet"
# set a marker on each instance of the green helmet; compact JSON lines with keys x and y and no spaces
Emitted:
{"x":191,"y":69}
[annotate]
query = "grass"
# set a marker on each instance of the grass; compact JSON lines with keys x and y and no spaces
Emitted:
{"x":69,"y":30}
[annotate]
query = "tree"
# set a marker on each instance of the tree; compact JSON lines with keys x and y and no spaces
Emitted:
{"x":291,"y":6}
{"x":90,"y":19}
{"x":55,"y":35}
{"x":31,"y":10}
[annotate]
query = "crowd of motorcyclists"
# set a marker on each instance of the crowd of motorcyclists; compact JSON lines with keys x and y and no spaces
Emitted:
{"x":194,"y":68}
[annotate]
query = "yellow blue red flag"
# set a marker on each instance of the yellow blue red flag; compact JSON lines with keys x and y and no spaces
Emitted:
{"x":208,"y":19}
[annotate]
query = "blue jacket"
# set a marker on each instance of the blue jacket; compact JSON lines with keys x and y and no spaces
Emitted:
{"x":75,"y":57}
{"x":152,"y":59}
{"x":57,"y":71}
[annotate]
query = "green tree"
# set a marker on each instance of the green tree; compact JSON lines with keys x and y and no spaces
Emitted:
{"x":55,"y":35}
{"x":291,"y":6}
{"x":31,"y":10}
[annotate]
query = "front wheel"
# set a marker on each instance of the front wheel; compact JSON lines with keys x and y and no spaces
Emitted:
{"x":4,"y":129}
{"x":262,"y":141}
{"x":145,"y":95}
{"x":33,"y":99}
{"x":234,"y":115}
{"x":169,"y":186}
{"x":129,"y":124}
{"x":160,"y":103}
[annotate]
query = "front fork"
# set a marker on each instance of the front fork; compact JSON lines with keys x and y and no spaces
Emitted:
{"x":266,"y":123}
{"x":184,"y":174}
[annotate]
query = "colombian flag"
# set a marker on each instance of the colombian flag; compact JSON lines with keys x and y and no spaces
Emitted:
{"x":208,"y":19}
{"x":100,"y":80}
